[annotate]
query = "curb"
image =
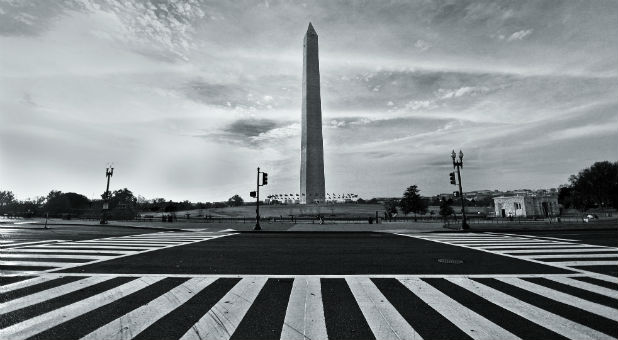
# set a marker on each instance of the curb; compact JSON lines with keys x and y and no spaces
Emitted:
{"x":110,"y":225}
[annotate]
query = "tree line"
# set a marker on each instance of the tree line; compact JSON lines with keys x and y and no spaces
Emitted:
{"x":595,"y":187}
{"x":122,"y":204}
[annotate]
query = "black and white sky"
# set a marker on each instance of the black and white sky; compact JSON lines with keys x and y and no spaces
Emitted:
{"x":187,"y":98}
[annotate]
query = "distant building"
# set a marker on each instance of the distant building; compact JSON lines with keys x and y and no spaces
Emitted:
{"x":526,"y":206}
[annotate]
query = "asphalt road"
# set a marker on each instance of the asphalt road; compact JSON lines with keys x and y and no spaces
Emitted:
{"x":291,"y":253}
{"x":114,"y":283}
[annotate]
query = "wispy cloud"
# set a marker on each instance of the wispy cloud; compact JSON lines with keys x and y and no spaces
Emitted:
{"x":86,"y":82}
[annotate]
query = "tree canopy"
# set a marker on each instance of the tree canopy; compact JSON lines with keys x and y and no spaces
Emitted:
{"x":445,"y":208}
{"x":235,"y":201}
{"x":6,"y":197}
{"x":412,"y":201}
{"x":596,"y":186}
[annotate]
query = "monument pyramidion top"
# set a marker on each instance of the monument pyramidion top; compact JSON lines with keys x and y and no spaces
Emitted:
{"x":311,"y":30}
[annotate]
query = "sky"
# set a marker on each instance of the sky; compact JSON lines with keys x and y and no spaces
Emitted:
{"x":187,"y":98}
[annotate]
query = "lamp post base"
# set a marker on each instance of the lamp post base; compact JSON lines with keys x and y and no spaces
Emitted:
{"x":257,"y":227}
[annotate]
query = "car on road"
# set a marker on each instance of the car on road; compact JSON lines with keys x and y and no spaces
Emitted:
{"x":591,"y":217}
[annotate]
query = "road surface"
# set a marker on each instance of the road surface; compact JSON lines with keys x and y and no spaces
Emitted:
{"x":119,"y":283}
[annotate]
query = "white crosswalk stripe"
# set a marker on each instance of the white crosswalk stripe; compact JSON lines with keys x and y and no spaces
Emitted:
{"x":49,"y":256}
{"x":304,"y":314}
{"x":564,"y":253}
{"x":140,"y":318}
{"x":383,"y":319}
{"x":221,"y":320}
{"x":304,"y":318}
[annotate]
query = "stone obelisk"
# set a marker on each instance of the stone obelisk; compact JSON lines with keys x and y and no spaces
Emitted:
{"x":312,"y":150}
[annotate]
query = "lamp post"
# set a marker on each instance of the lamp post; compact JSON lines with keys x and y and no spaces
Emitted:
{"x":109,"y":172}
{"x":458,"y":164}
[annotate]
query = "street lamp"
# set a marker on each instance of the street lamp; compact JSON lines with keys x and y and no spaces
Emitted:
{"x":458,"y":164}
{"x":109,"y":172}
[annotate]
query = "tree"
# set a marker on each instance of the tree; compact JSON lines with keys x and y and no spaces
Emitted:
{"x":6,"y":197}
{"x":124,"y":197}
{"x":58,"y":202}
{"x":413,"y":202}
{"x":596,"y":186}
{"x":445,"y":208}
{"x":565,"y":198}
{"x":235,"y":201}
{"x":391,"y":207}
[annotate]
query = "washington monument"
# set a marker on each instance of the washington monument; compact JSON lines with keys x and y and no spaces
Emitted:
{"x":312,"y":150}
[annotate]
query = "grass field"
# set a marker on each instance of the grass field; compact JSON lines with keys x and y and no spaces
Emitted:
{"x":328,"y":210}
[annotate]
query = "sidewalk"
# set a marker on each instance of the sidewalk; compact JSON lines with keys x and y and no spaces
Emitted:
{"x":421,"y":227}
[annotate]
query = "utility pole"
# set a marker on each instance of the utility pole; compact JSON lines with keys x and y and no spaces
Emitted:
{"x":109,"y":172}
{"x":457,"y":164}
{"x":257,"y":205}
{"x":256,"y":194}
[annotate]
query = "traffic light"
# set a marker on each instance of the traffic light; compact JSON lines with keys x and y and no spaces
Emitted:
{"x":452,"y":176}
{"x":252,"y":194}
{"x":455,"y":193}
{"x":264,"y":178}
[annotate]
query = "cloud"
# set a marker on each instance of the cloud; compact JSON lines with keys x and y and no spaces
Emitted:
{"x":462,"y":91}
{"x":519,"y":35}
{"x":402,"y":84}
{"x":422,"y":45}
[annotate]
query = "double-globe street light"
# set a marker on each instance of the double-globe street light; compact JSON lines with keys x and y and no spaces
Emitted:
{"x":457,"y":164}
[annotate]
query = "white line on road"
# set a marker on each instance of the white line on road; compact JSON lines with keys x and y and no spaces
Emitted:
{"x":584,"y":263}
{"x":556,"y":323}
{"x":223,"y":318}
{"x":525,"y":251}
{"x":383,"y":319}
{"x":38,"y":324}
{"x":304,"y":318}
{"x":48,"y":294}
{"x":473,"y":324}
{"x":51,"y":256}
{"x":36,"y":263}
{"x":131,"y":324}
{"x":568,"y":256}
{"x":21,"y":244}
{"x":586,"y":286}
{"x":562,"y":297}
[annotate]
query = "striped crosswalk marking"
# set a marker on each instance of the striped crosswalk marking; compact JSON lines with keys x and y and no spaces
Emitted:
{"x":26,"y":283}
{"x":556,"y":323}
{"x":139,"y":319}
{"x":48,"y":256}
{"x":586,"y":286}
{"x":581,"y":256}
{"x":473,"y":324}
{"x":550,"y":251}
{"x":49,"y":294}
{"x":577,"y":250}
{"x":16,"y":244}
{"x":222,"y":319}
{"x":304,"y":318}
{"x":562,"y":297}
{"x":304,"y":315}
{"x":28,"y":328}
{"x":383,"y":319}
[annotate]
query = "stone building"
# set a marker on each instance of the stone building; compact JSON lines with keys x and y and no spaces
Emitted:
{"x":526,"y":206}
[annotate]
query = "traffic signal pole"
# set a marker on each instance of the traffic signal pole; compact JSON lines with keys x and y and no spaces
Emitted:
{"x":457,"y":164}
{"x":464,"y":223}
{"x":257,"y":205}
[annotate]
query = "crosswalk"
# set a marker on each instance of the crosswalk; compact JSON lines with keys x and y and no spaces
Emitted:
{"x":557,"y":252}
{"x":23,"y":242}
{"x":113,"y":306}
{"x":52,"y":255}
